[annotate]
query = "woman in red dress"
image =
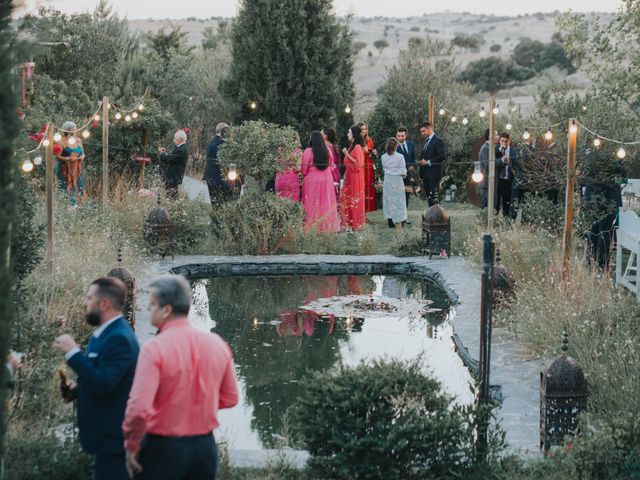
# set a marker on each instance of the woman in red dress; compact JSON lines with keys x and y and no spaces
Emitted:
{"x":352,"y":194}
{"x":369,"y":174}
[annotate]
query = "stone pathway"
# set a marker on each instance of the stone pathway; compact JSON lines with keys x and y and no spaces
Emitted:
{"x":518,"y":377}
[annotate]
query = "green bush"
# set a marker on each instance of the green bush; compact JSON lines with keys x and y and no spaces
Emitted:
{"x":385,"y":420}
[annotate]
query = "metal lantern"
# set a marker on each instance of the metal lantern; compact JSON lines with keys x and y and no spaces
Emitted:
{"x":158,"y":230}
{"x":563,"y":395}
{"x":122,"y":273}
{"x":436,"y":231}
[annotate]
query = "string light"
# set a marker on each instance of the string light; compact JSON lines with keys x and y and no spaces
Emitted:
{"x":482,"y":113}
{"x":57,"y":137}
{"x":477,"y":173}
{"x":232,"y":175}
{"x":621,"y":153}
{"x":441,"y":111}
{"x":347,"y":109}
{"x":465,"y":120}
{"x":134,"y":115}
{"x":127,"y":118}
{"x":253,"y":105}
{"x":141,"y":107}
{"x":526,"y":135}
{"x":549,"y":134}
{"x":85,"y":134}
{"x":96,"y":118}
{"x":454,"y":119}
{"x":508,"y":126}
{"x":496,"y":110}
{"x":118,"y":115}
{"x":574,"y":127}
{"x":37,"y":160}
{"x":27,"y":166}
{"x":45,"y":142}
{"x":584,"y":108}
{"x":72,"y":140}
{"x":597,"y":142}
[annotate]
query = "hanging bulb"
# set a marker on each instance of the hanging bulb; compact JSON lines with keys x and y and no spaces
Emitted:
{"x":482,"y":113}
{"x":597,"y":142}
{"x":57,"y":137}
{"x":232,"y":175}
{"x":465,"y":120}
{"x":526,"y":135}
{"x":134,"y":115}
{"x":549,"y":134}
{"x":85,"y":134}
{"x":621,"y":153}
{"x":96,"y":118}
{"x":477,"y":173}
{"x":141,"y":107}
{"x":454,"y":119}
{"x":37,"y":160}
{"x":347,"y":109}
{"x":27,"y":166}
{"x":508,"y":126}
{"x":441,"y":111}
{"x":496,"y":110}
{"x":45,"y":142}
{"x":253,"y":105}
{"x":118,"y":116}
{"x":584,"y":108}
{"x":127,"y":118}
{"x":72,"y":140}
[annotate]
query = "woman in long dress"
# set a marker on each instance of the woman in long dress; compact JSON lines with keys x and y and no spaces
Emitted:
{"x":352,"y":194}
{"x":287,"y":184}
{"x":318,"y":192}
{"x":394,"y":204}
{"x":369,"y":172}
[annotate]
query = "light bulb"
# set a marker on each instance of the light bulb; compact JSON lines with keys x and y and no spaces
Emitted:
{"x":57,"y":137}
{"x":37,"y":160}
{"x":72,"y":140}
{"x":483,"y":113}
{"x":96,"y":118}
{"x":465,"y":120}
{"x":347,"y":109}
{"x":134,"y":115}
{"x":441,"y":111}
{"x":496,"y":110}
{"x":574,"y":127}
{"x":118,"y":115}
{"x":621,"y":153}
{"x":232,"y":175}
{"x":45,"y":142}
{"x":454,"y":119}
{"x":597,"y":142}
{"x":584,"y":108}
{"x":508,"y":126}
{"x":477,"y":177}
{"x":127,"y":118}
{"x":549,"y":134}
{"x":253,"y":105}
{"x":85,"y":134}
{"x":27,"y":166}
{"x":141,"y":107}
{"x":526,"y":135}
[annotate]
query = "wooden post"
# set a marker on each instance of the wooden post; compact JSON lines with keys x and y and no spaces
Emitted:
{"x":49,"y":164}
{"x":568,"y":202}
{"x":432,"y":110}
{"x":105,"y":151}
{"x":491,"y":174}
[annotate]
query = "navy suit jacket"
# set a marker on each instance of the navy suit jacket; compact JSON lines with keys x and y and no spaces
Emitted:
{"x":435,"y":152}
{"x":212,"y":172}
{"x":410,"y":155}
{"x":105,"y":374}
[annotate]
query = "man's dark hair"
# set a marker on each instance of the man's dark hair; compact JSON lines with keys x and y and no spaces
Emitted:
{"x":426,"y":125}
{"x":486,"y":134}
{"x":112,"y":289}
{"x":402,"y":130}
{"x":505,"y":135}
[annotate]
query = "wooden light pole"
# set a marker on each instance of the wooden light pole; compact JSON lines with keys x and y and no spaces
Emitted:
{"x":432,"y":110}
{"x":491,"y":173}
{"x":568,"y":202}
{"x":49,"y":164}
{"x":105,"y":151}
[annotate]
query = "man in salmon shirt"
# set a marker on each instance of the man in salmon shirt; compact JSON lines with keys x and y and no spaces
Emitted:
{"x":183,"y":377}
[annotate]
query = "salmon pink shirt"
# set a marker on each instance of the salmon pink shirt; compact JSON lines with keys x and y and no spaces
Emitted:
{"x":182,"y":378}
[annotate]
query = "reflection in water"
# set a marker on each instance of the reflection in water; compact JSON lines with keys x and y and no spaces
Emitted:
{"x":276,"y":343}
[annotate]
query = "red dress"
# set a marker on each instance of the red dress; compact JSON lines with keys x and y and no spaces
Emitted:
{"x":352,"y":194}
{"x":369,"y":179}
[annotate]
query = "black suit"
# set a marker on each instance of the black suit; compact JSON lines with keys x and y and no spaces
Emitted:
{"x":172,"y":167}
{"x":504,"y":174}
{"x":105,"y":374}
{"x":408,"y":152}
{"x":434,"y":152}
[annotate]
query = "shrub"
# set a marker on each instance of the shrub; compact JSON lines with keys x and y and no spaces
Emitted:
{"x":380,"y":45}
{"x":383,"y":420}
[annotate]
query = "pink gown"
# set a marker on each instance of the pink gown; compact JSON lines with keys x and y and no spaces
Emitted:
{"x":288,"y":185}
{"x":318,"y":196}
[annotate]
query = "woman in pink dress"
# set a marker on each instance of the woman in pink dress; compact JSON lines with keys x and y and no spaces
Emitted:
{"x":318,"y":192}
{"x":352,"y":194}
{"x":287,"y":181}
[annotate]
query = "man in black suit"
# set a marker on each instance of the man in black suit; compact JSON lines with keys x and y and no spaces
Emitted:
{"x":505,"y":156}
{"x":173,"y":165}
{"x":105,"y":374}
{"x":431,"y":161}
{"x":407,"y":148}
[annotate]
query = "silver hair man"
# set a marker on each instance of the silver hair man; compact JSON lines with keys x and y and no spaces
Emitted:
{"x":173,"y":290}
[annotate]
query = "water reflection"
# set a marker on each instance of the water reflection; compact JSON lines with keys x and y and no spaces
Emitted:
{"x":276,"y":343}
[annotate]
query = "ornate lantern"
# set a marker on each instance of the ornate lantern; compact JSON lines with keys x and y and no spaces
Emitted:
{"x":436,"y":231}
{"x":122,"y":273}
{"x":158,"y":230}
{"x":563,"y":395}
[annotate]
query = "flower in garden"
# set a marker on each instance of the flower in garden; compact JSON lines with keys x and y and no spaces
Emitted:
{"x":61,"y":321}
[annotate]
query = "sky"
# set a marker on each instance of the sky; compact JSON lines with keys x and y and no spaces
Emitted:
{"x":160,"y":9}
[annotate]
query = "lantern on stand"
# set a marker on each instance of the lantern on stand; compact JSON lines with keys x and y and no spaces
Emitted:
{"x":436,"y":231}
{"x":122,"y":273}
{"x":158,"y":230}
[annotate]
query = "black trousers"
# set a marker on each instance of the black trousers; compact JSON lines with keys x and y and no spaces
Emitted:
{"x":599,"y":239}
{"x":110,"y":467}
{"x":178,"y":458}
{"x":518,"y":201}
{"x":431,"y":188}
{"x":504,"y":196}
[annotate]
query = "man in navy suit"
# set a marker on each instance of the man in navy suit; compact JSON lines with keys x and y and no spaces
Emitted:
{"x":105,"y":374}
{"x":407,"y":148}
{"x":431,"y":161}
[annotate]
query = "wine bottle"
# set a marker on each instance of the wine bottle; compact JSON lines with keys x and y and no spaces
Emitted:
{"x":65,"y":390}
